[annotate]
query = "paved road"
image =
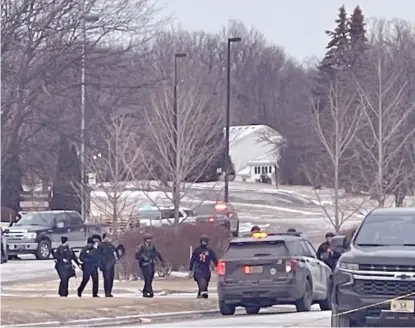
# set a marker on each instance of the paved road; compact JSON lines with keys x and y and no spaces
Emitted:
{"x":27,"y":269}
{"x":267,"y":319}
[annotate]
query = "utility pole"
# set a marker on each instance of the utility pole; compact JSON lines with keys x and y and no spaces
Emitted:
{"x":228,"y":118}
{"x":85,"y":18}
{"x":176,"y":127}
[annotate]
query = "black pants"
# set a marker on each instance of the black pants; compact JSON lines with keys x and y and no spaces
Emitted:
{"x":89,"y":273}
{"x":108,"y":273}
{"x":148,"y":275}
{"x":202,"y":282}
{"x":64,"y":277}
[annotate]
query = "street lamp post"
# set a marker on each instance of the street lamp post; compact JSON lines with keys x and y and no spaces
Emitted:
{"x":176,"y":128}
{"x":228,"y":117}
{"x":86,"y":18}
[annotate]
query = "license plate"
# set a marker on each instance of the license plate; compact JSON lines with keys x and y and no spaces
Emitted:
{"x":254,"y":269}
{"x":403,"y":306}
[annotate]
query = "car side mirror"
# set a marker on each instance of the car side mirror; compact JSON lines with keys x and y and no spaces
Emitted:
{"x":60,"y":225}
{"x":337,"y":242}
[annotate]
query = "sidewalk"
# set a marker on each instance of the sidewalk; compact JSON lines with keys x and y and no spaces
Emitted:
{"x":161,"y":286}
{"x":22,"y":310}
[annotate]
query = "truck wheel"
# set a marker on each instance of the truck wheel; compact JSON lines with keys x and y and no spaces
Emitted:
{"x":226,"y":309}
{"x":252,"y":309}
{"x":43,"y":250}
{"x":304,"y":303}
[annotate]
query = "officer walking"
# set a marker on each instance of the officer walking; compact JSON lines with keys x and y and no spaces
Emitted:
{"x":146,"y":256}
{"x":108,"y":259}
{"x":64,"y":256}
{"x":200,"y":266}
{"x":90,"y":261}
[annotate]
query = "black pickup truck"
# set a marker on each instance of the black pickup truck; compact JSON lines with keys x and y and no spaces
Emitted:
{"x":38,"y":233}
{"x":374,"y":281}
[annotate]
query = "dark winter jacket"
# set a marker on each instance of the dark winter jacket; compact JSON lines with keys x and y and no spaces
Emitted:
{"x":108,"y":255}
{"x":201,"y":258}
{"x":64,"y":255}
{"x":146,"y":255}
{"x":89,"y":257}
{"x":327,"y":255}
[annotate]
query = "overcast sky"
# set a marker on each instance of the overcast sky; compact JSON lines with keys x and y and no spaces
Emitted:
{"x":296,"y":25}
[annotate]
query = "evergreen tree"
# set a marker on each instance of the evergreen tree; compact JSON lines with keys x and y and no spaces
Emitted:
{"x":335,"y":60}
{"x":67,"y":180}
{"x":11,"y":185}
{"x":336,"y":57}
{"x":358,"y":41}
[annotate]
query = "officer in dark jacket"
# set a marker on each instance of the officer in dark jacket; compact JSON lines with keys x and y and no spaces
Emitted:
{"x":200,"y":266}
{"x":108,"y":259}
{"x":325,"y":252}
{"x":64,"y":257}
{"x":90,"y":261}
{"x":146,"y":256}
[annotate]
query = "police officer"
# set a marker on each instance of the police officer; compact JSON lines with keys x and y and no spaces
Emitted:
{"x":200,"y":266}
{"x":326,"y":254}
{"x":90,"y":262}
{"x":146,"y":255}
{"x":108,"y":259}
{"x":64,"y":256}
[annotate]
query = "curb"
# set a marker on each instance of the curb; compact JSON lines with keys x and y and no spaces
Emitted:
{"x":122,"y":320}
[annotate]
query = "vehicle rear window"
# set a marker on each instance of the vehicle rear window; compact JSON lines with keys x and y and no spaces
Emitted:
{"x":205,"y":210}
{"x":252,"y":249}
{"x":211,"y":210}
{"x":386,"y":230}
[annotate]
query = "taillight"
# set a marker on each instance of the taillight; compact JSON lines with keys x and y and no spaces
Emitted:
{"x":247,"y":269}
{"x":290,"y":266}
{"x":221,"y":268}
{"x":211,"y":219}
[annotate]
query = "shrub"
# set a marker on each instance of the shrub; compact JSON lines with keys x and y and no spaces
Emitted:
{"x":173,"y":242}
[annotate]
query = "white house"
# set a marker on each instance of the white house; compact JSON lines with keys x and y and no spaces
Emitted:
{"x":254,"y":151}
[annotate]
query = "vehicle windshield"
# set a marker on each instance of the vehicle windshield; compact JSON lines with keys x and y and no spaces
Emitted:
{"x":255,"y":249}
{"x":381,"y":230}
{"x":36,"y":219}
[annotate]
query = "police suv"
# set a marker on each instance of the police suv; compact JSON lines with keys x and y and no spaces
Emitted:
{"x":374,"y":282}
{"x":269,"y":269}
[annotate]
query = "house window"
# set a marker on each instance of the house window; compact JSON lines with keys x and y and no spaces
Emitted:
{"x":257,"y":170}
{"x":269,"y":169}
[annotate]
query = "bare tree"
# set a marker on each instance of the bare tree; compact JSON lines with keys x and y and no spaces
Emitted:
{"x":383,"y":146}
{"x":183,"y":154}
{"x":336,"y":126}
{"x":113,"y":166}
{"x":42,"y":45}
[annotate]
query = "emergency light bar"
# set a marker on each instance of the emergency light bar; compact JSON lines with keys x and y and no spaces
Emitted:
{"x":221,"y":206}
{"x":259,"y":235}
